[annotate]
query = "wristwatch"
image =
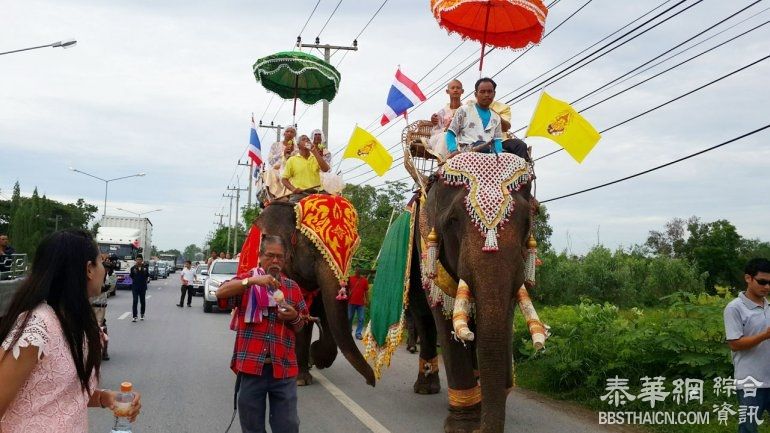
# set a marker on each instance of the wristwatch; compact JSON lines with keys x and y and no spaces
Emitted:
{"x":245,"y":282}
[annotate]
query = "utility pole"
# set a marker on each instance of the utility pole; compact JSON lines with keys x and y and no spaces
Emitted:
{"x":220,"y":215}
{"x":278,"y":129}
{"x":250,"y":164}
{"x":229,"y":220}
{"x":237,"y":201}
{"x":327,"y":49}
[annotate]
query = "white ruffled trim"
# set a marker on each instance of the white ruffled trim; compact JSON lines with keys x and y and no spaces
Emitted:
{"x":323,"y":70}
{"x":35,"y":333}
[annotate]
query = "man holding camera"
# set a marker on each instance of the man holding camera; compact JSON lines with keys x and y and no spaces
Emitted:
{"x":303,"y":172}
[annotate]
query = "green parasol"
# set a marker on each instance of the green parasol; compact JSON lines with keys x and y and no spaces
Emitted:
{"x":297,"y":75}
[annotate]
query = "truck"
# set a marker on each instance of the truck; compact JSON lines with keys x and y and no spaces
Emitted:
{"x":175,"y":263}
{"x":124,"y":238}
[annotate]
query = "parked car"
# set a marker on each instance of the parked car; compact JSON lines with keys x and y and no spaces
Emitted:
{"x":153,"y":266}
{"x":221,"y":270}
{"x":163,"y":270}
{"x":199,"y":281}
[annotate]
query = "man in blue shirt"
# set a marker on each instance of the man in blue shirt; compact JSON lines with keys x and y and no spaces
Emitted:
{"x":475,"y":125}
{"x":140,"y":276}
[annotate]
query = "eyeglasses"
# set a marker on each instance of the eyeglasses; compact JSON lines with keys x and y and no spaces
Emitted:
{"x":762,"y":282}
{"x":273,"y":256}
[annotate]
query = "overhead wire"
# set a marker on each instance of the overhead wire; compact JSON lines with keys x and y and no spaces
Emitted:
{"x":308,"y":19}
{"x":692,"y":155}
{"x":627,"y":33}
{"x":318,"y":36}
{"x":644,"y":112}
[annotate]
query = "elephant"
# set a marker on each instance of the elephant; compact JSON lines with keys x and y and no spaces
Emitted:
{"x":492,"y":279}
{"x":306,"y":265}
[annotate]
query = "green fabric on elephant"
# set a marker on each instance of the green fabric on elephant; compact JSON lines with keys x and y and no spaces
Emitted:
{"x":389,"y":292}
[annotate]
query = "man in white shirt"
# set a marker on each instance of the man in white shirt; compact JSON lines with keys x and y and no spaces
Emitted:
{"x":187,"y":276}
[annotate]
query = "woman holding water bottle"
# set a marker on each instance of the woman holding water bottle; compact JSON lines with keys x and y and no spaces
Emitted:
{"x":50,"y":347}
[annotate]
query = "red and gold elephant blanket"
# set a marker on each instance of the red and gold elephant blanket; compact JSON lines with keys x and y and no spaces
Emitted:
{"x":330,"y":222}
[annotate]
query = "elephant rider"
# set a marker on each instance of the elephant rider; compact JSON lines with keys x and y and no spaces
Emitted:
{"x":302,"y":171}
{"x":280,"y":151}
{"x":479,"y":123}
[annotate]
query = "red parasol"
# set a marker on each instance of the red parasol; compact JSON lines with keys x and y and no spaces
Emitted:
{"x":500,"y":23}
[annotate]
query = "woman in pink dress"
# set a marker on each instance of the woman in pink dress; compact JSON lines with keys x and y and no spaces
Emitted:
{"x":50,"y":346}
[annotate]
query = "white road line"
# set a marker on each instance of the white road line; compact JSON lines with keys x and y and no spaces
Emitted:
{"x":351,"y":405}
{"x":148,"y":297}
{"x":124,"y":315}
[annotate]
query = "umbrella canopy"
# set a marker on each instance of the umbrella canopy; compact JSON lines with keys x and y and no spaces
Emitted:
{"x":500,"y":23}
{"x":298,"y":75}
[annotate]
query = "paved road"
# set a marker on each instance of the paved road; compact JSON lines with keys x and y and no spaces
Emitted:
{"x":178,"y":358}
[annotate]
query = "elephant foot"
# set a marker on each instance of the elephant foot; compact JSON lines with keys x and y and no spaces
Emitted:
{"x":304,"y":378}
{"x":463,"y":419}
{"x":430,"y":384}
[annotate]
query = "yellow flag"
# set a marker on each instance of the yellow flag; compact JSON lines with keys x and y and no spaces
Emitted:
{"x":558,"y":121}
{"x":364,"y":146}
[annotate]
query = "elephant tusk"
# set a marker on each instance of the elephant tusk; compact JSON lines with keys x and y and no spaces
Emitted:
{"x":536,"y":327}
{"x":460,"y":312}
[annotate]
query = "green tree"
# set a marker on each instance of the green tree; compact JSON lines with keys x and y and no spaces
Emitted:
{"x":715,"y":248}
{"x":543,"y":230}
{"x":191,"y":251}
{"x":153,"y":251}
{"x":376,"y":208}
{"x":250,"y":214}
{"x":219,"y":239}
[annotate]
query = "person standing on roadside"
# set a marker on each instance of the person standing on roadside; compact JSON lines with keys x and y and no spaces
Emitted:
{"x":212,"y":258}
{"x":359,"y":287}
{"x":50,"y":347}
{"x":140,"y":276}
{"x":747,"y":329}
{"x":263,"y":357}
{"x":6,"y":251}
{"x":186,"y":276}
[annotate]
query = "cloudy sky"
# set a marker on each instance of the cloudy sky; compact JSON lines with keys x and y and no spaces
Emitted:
{"x":166,"y":88}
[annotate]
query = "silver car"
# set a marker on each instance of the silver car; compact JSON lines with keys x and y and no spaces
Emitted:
{"x":199,"y":281}
{"x":220,"y":271}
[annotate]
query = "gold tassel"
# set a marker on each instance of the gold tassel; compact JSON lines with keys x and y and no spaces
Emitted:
{"x":529,"y":263}
{"x":430,"y":269}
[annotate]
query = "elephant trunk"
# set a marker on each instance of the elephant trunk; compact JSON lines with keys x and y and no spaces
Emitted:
{"x":493,"y":305}
{"x":337,"y":316}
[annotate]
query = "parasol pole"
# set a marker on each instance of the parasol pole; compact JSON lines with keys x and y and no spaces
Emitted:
{"x":294,"y":112}
{"x":484,"y":40}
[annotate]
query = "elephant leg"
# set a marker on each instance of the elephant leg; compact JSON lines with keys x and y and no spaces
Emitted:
{"x":428,"y":381}
{"x":464,"y":391}
{"x":303,"y":355}
{"x":324,"y":350}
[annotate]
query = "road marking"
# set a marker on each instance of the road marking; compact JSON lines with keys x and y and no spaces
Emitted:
{"x":148,"y":297}
{"x":124,"y":315}
{"x":351,"y":405}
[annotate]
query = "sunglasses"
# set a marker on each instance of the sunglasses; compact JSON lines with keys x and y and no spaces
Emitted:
{"x":762,"y":282}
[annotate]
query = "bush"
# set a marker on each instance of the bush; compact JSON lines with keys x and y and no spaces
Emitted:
{"x":591,"y":342}
{"x":621,"y":278}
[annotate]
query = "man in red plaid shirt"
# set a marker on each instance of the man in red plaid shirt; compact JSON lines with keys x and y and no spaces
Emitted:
{"x":263,"y":356}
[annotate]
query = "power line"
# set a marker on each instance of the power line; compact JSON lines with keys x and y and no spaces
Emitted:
{"x":669,"y":101}
{"x":328,"y":19}
{"x":370,"y":20}
{"x":308,"y":18}
{"x":659,"y":166}
{"x":567,"y":72}
{"x":668,"y":50}
{"x":637,"y":115}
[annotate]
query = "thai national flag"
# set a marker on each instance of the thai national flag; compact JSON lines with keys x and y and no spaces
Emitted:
{"x":255,"y":149}
{"x":403,"y":95}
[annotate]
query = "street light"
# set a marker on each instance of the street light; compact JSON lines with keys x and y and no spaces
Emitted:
{"x":67,"y":43}
{"x":139,"y":214}
{"x":106,"y":183}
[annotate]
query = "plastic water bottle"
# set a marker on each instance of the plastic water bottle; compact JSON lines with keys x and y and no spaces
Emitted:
{"x":122,"y":407}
